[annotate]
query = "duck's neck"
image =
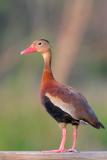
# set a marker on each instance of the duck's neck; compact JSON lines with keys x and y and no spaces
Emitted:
{"x":47,"y":72}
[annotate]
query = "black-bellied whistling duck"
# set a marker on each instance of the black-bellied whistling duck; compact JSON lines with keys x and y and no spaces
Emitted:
{"x":62,"y":102}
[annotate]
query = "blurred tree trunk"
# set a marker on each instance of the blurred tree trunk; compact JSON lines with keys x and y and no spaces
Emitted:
{"x":74,"y":22}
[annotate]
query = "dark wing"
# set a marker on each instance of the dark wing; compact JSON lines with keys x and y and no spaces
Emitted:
{"x":73,"y":103}
{"x":58,"y":114}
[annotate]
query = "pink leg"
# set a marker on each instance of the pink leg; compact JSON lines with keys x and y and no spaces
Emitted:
{"x":73,"y":148}
{"x":62,"y":145}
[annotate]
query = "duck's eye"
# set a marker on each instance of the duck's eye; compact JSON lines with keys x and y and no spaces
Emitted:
{"x":39,"y":43}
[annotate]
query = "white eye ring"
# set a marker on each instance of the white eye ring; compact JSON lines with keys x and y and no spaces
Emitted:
{"x":39,"y":43}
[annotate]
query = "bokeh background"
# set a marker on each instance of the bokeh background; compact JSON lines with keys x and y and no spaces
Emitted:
{"x":77,"y":31}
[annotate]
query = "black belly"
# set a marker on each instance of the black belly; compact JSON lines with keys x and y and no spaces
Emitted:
{"x":58,"y":114}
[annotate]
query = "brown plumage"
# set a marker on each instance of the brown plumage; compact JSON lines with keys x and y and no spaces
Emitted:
{"x":70,"y":101}
{"x":62,"y":102}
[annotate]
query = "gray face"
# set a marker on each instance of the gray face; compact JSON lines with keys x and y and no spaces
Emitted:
{"x":41,"y":45}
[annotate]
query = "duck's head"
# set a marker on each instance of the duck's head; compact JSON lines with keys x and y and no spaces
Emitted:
{"x":41,"y":46}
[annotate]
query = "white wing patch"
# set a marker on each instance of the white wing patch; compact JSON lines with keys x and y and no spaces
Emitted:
{"x":68,"y":108}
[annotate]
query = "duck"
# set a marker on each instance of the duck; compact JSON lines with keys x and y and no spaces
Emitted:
{"x":63,"y":103}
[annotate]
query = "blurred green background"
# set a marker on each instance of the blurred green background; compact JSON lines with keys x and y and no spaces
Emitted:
{"x":77,"y":31}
